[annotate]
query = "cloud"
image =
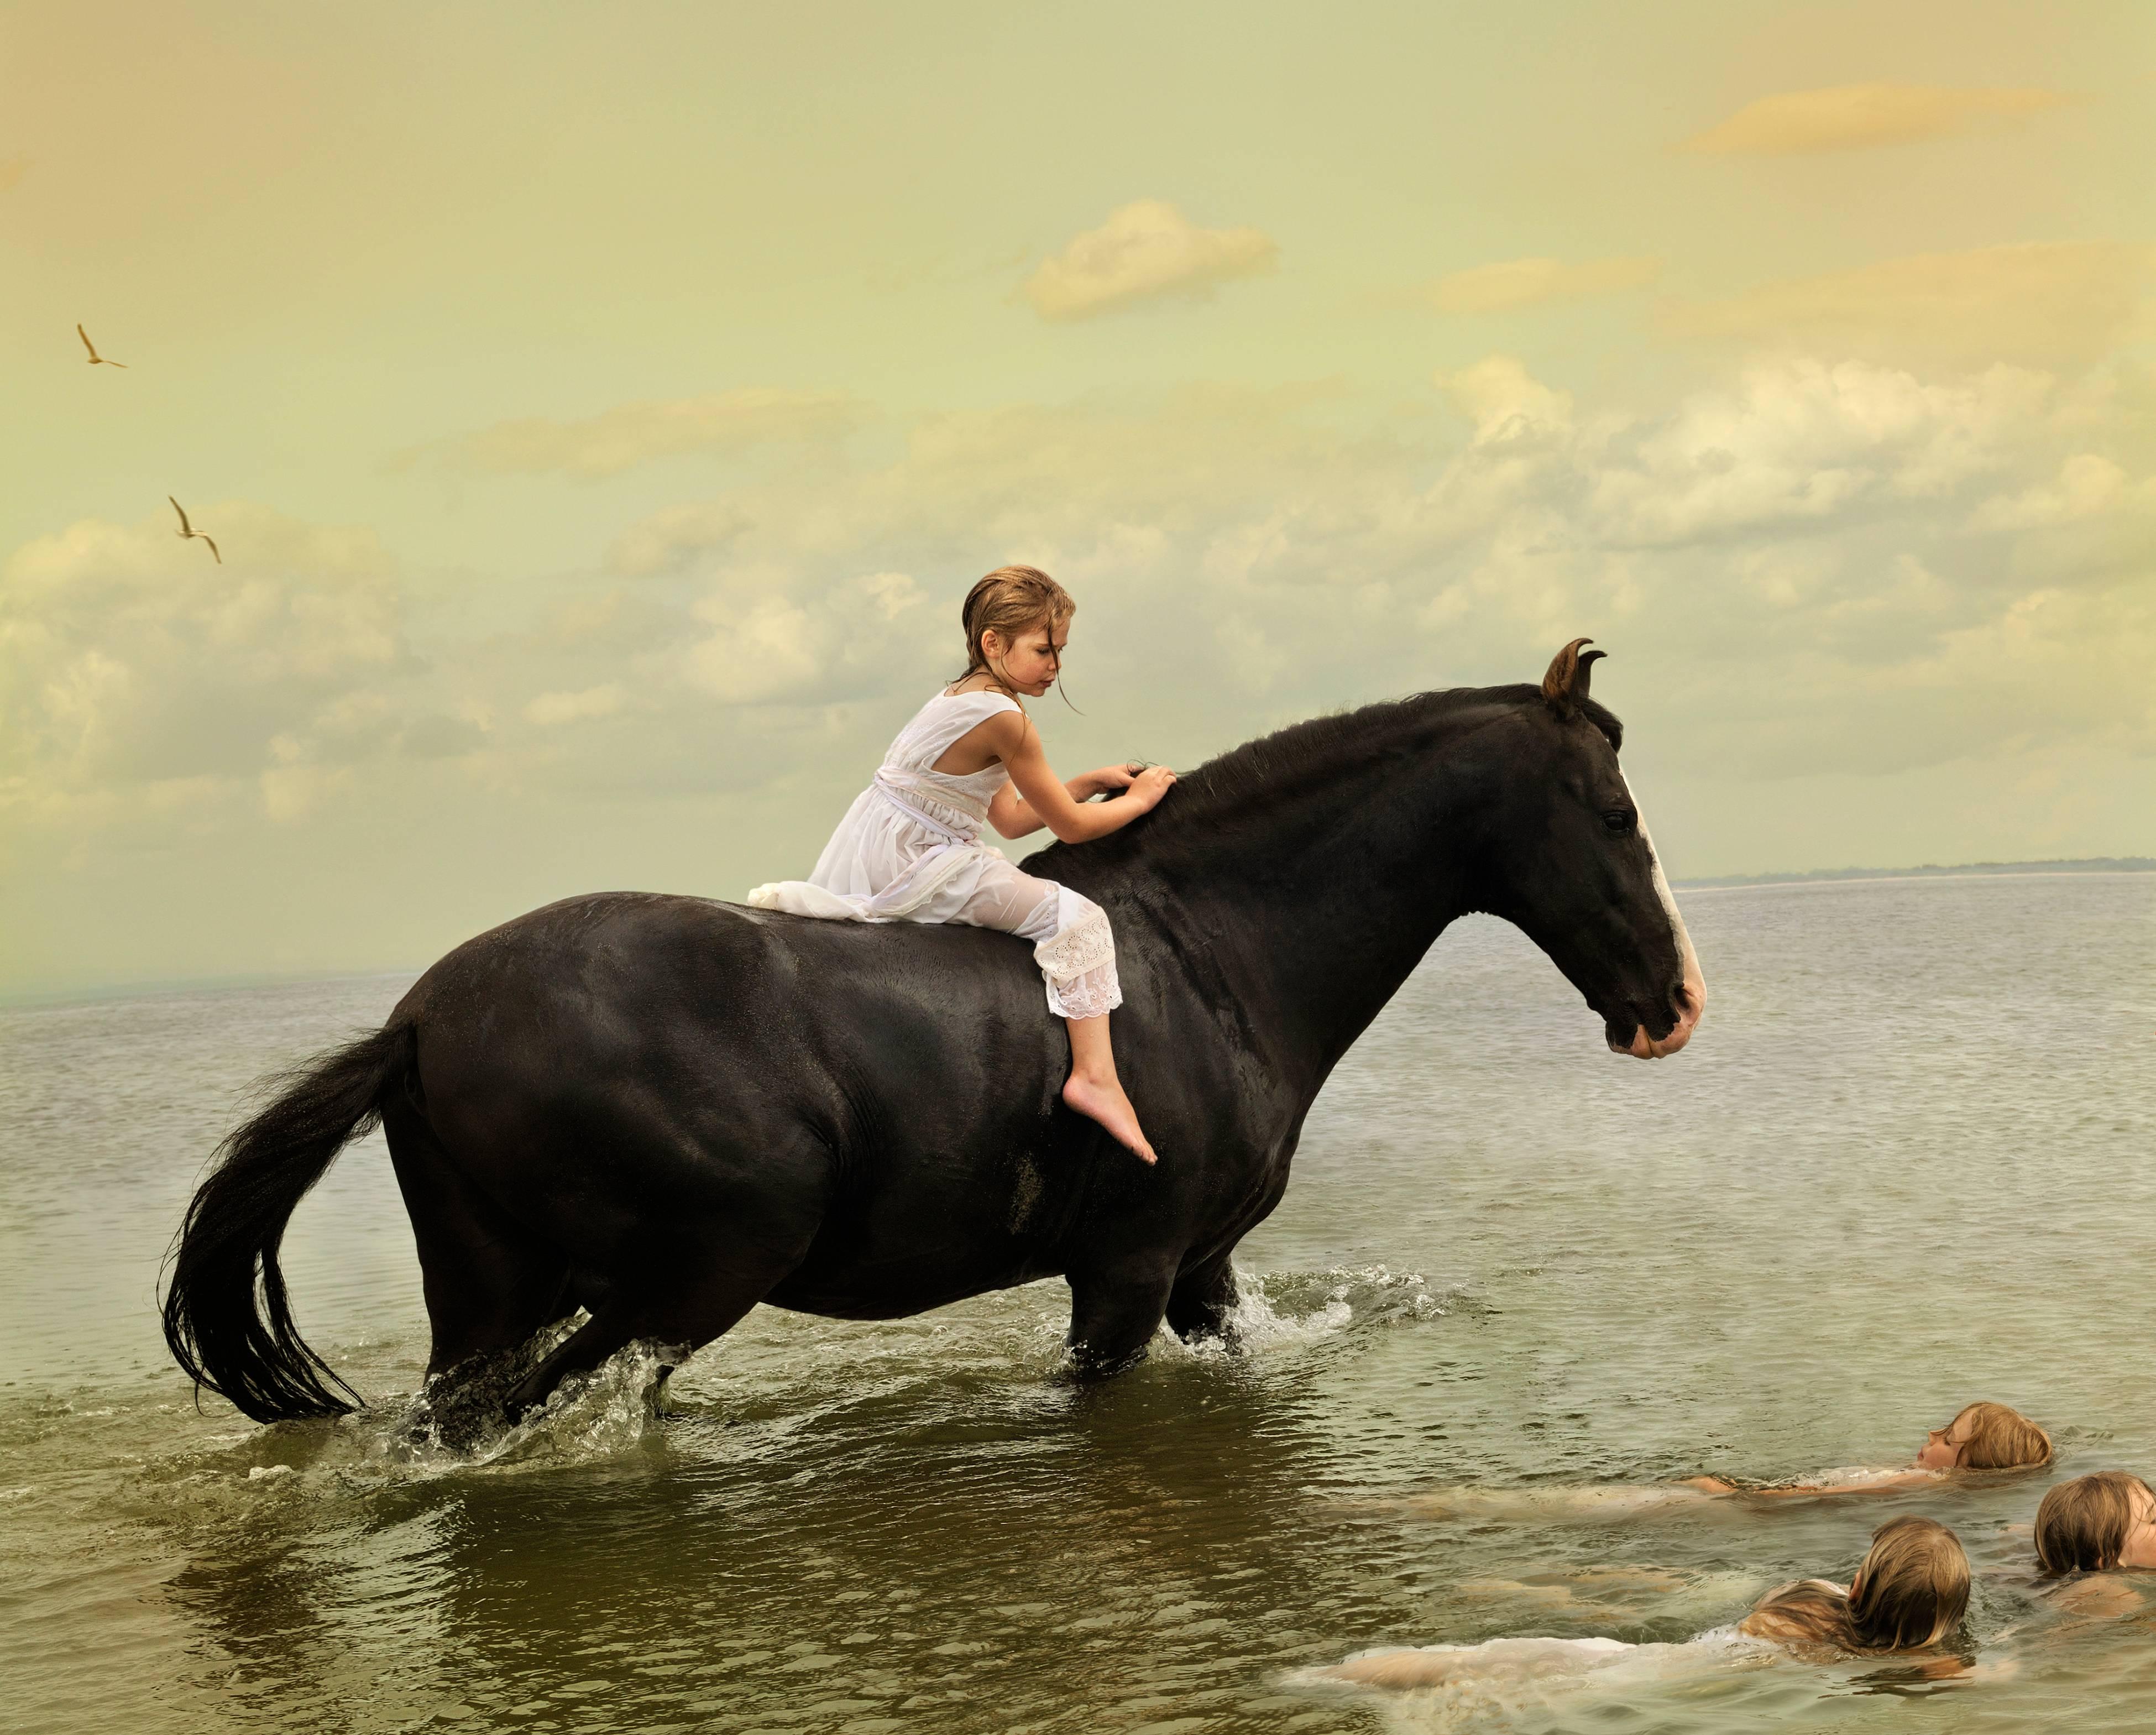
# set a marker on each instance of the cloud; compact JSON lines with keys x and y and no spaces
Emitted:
{"x":2044,"y":667}
{"x":1504,"y":401}
{"x":765,"y":645}
{"x":2045,"y":303}
{"x":1147,"y":251}
{"x":549,"y":710}
{"x":1804,"y":566}
{"x":129,"y":667}
{"x":1856,"y":117}
{"x":2087,"y":486}
{"x":1799,"y":533}
{"x":670,"y":540}
{"x":1537,"y":282}
{"x":1802,"y":441}
{"x":605,"y":445}
{"x":11,"y":171}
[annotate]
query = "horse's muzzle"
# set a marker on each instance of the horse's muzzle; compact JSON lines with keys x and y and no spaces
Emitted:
{"x":1687,"y":1002}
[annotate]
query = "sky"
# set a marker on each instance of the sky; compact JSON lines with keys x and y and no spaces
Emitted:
{"x":601,"y":412}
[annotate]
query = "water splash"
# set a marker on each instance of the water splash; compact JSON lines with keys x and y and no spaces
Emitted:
{"x":587,"y":1416}
{"x":1294,"y":1310}
{"x":454,"y":1426}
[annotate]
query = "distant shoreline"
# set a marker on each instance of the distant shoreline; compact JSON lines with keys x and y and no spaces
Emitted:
{"x":1929,"y":871}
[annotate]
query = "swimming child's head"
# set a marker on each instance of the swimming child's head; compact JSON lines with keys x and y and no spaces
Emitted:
{"x":1016,"y":620}
{"x":1912,"y":1588}
{"x":1986,"y":1436}
{"x":1911,"y":1591}
{"x":2096,"y":1523}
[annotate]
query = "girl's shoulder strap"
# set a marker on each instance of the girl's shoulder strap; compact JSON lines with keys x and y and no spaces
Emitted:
{"x":976,"y":707}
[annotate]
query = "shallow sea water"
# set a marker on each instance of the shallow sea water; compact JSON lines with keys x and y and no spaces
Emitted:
{"x":1906,"y":1164}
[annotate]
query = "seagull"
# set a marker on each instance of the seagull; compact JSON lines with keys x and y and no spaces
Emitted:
{"x":187,"y":529}
{"x":94,"y":358}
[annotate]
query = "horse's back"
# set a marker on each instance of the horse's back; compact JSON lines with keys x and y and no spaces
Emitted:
{"x":907,"y":1073}
{"x":702,"y":957}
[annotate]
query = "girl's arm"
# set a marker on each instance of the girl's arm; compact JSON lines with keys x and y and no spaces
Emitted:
{"x":1013,"y":815}
{"x":1017,"y":743}
{"x":1870,"y":1485}
{"x":1886,"y":1482}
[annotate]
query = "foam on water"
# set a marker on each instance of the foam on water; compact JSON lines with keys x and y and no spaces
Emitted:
{"x":1294,"y":1310}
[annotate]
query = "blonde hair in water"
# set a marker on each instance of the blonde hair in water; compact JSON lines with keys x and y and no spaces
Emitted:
{"x":1999,"y":1438}
{"x":2082,"y":1525}
{"x":1912,"y":1590}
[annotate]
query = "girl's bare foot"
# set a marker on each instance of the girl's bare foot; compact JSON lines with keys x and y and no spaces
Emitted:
{"x":1104,"y":1101}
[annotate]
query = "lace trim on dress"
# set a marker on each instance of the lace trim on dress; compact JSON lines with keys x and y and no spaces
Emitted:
{"x":1086,"y":944}
{"x":1095,"y":994}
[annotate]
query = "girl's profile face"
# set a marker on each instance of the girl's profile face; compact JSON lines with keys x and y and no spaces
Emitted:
{"x":1032,"y":663}
{"x":2137,"y":1553}
{"x":1943,"y":1447}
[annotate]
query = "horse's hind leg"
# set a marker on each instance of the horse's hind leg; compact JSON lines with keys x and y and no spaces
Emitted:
{"x":721,"y":1246}
{"x":673,"y":1303}
{"x":490,"y":1282}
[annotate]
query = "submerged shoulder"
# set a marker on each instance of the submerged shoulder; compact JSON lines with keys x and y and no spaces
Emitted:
{"x":1808,"y":1610}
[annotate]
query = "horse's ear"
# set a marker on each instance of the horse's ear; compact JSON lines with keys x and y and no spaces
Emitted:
{"x":1566,"y":683}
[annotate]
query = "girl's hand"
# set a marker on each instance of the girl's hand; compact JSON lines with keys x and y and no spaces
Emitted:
{"x":1148,"y":786}
{"x":1109,"y":780}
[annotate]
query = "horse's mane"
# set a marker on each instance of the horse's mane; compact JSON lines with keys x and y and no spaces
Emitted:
{"x":1315,"y":749}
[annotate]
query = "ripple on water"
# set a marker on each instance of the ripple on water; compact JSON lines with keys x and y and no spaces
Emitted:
{"x":1859,"y":1199}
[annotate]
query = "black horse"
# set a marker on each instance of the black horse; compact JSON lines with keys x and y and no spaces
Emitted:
{"x":665,"y":1109}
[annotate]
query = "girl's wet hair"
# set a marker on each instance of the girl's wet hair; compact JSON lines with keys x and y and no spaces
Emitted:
{"x":1911,"y":1591}
{"x":1011,"y":601}
{"x":2082,"y":1526}
{"x":1998,"y":1438}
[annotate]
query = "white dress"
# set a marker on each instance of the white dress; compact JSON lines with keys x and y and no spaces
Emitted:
{"x":909,"y":849}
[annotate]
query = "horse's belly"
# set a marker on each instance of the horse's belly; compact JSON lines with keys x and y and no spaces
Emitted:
{"x":843,"y":1289}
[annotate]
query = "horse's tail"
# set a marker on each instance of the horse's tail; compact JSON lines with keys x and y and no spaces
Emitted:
{"x":227,"y":1320}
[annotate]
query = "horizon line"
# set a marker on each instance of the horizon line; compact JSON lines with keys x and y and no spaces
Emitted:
{"x":84,"y":993}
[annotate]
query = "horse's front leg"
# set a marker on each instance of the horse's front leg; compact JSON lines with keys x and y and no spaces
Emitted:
{"x":1116,"y":1307}
{"x":1203,"y":1301}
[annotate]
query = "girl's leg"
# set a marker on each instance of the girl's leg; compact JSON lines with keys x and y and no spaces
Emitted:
{"x":1076,"y":952}
{"x":1094,"y":1091}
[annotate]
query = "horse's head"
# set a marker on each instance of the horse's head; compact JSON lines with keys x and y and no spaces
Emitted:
{"x":1574,"y":868}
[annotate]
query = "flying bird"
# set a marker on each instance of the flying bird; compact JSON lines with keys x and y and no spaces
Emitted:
{"x":187,"y":529}
{"x":95,"y":358}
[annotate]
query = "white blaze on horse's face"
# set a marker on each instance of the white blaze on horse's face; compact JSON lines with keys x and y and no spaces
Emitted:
{"x":1694,"y":993}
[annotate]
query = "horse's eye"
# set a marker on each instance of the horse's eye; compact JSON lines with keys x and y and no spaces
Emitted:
{"x":1619,"y":821}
